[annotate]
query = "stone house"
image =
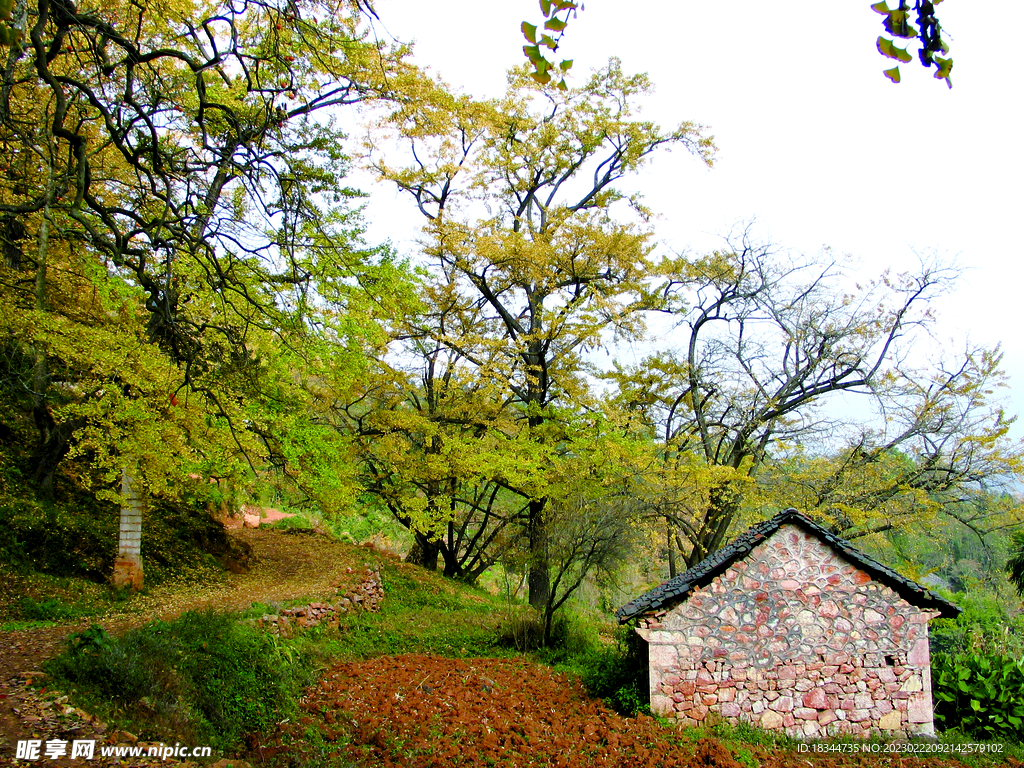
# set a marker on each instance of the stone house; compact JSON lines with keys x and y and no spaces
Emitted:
{"x":791,"y":628}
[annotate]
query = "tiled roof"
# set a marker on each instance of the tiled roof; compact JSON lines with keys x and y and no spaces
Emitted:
{"x":703,"y":572}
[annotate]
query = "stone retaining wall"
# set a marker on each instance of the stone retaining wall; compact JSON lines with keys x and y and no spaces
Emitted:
{"x":794,"y":637}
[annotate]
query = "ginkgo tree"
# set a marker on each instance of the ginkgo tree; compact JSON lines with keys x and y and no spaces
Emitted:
{"x":898,"y":23}
{"x":526,"y":222}
{"x":767,"y":340}
{"x":550,"y":37}
{"x":944,"y":443}
{"x":440,"y":451}
{"x":189,"y":160}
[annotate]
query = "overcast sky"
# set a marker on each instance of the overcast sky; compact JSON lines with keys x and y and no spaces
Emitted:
{"x":814,"y":143}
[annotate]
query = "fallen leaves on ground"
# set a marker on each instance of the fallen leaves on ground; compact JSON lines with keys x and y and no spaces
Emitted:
{"x":423,"y":711}
{"x":417,"y":711}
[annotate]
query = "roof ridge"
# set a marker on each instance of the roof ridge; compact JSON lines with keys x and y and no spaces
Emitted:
{"x":705,"y":571}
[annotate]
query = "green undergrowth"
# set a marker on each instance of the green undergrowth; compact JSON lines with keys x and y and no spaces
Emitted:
{"x":30,"y":599}
{"x":76,"y":536}
{"x":610,"y":662}
{"x":425,"y":613}
{"x":214,"y":677}
{"x":363,"y":523}
{"x":208,"y":677}
{"x":988,"y":624}
{"x":50,"y":610}
{"x":56,"y":558}
{"x":63,"y":548}
{"x":746,"y":742}
{"x":980,"y":694}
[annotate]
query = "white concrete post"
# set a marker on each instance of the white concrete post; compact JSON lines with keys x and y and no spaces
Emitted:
{"x":128,"y":566}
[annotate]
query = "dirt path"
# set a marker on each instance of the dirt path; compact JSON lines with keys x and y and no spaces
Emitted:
{"x":409,"y":711}
{"x":283,"y":567}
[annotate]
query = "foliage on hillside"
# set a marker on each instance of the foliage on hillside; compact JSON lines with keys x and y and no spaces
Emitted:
{"x":190,"y":311}
{"x":981,"y":695}
{"x":74,"y":534}
{"x":147,"y":682}
{"x":184,"y":277}
{"x":204,"y":676}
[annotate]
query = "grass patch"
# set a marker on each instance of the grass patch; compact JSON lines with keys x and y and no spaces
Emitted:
{"x":44,"y":599}
{"x":205,"y":676}
{"x":51,"y":609}
{"x":362,"y":524}
{"x":748,"y":744}
{"x":20,"y":625}
{"x":965,"y":748}
{"x":738,"y":737}
{"x":424,"y":613}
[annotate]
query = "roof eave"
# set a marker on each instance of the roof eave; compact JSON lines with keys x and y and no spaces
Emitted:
{"x":907,"y":589}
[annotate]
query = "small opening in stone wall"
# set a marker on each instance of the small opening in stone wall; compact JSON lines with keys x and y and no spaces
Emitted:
{"x":890,"y":660}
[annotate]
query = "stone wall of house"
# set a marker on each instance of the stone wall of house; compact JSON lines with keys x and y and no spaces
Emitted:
{"x":794,"y":637}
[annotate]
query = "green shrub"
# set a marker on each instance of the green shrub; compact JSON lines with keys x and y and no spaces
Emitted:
{"x":982,"y":695}
{"x":522,"y":631}
{"x":89,"y":642}
{"x":49,"y":609}
{"x":573,"y":635}
{"x":619,"y":674}
{"x":204,"y":673}
{"x":745,"y":733}
{"x":985,"y":626}
{"x":408,"y":592}
{"x":1015,"y":563}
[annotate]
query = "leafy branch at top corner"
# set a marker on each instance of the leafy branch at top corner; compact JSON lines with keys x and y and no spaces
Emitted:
{"x":549,"y":37}
{"x":9,"y":34}
{"x":928,"y":32}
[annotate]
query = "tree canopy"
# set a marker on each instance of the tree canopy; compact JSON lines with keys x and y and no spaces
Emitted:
{"x":898,"y":23}
{"x":765,"y":340}
{"x":190,"y":308}
{"x":178,"y":241}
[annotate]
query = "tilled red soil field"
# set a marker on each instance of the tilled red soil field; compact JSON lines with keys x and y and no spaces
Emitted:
{"x":419,"y":711}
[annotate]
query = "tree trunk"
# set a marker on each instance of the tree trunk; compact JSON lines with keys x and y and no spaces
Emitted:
{"x":671,"y":550}
{"x":128,"y":566}
{"x":54,"y":439}
{"x":53,"y":445}
{"x":722,"y":508}
{"x":452,"y":566}
{"x":540,"y":568}
{"x":549,"y":618}
{"x":424,"y":552}
{"x":537,"y":527}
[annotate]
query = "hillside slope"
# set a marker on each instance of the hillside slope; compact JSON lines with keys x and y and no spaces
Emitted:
{"x":283,"y":567}
{"x":411,"y":686}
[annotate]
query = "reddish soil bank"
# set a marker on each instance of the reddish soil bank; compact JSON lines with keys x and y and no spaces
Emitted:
{"x":418,"y":711}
